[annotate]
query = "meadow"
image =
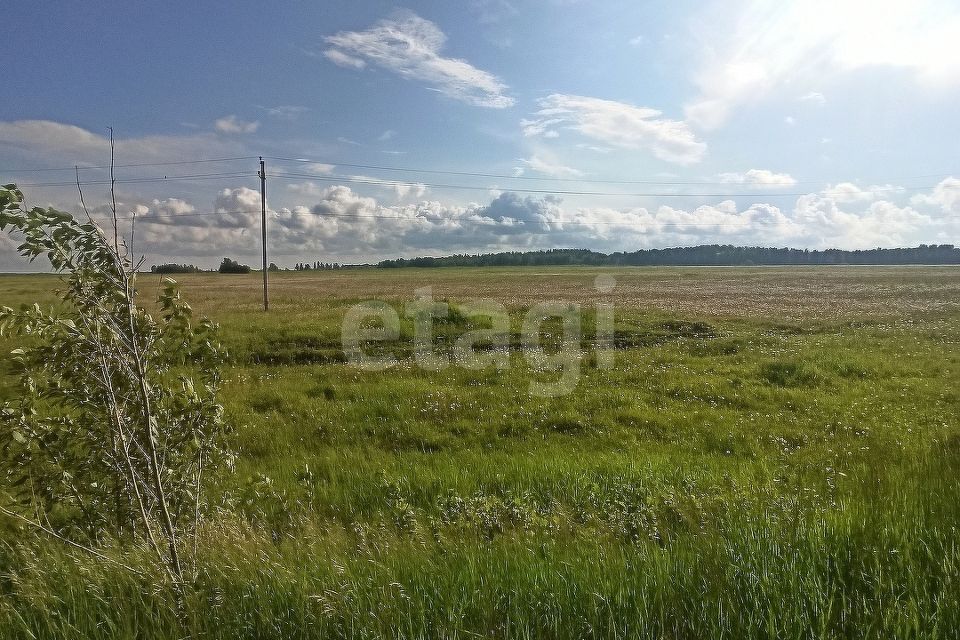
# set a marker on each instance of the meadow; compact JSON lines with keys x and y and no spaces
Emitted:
{"x":774,"y":454}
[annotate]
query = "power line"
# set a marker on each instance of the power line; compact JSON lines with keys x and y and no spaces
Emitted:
{"x":412,"y":183}
{"x":195,"y":176}
{"x":135,"y":164}
{"x":553,"y":179}
{"x":376,"y":181}
{"x":422,"y":171}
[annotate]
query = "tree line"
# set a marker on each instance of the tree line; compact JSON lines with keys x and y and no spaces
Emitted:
{"x":703,"y":255}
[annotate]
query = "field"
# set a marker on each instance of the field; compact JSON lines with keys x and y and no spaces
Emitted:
{"x":774,"y":454}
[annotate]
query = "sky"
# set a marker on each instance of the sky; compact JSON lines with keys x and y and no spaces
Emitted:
{"x":431,"y":128}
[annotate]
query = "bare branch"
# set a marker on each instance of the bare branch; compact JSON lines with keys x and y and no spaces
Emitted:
{"x":113,"y":198}
{"x":80,"y":190}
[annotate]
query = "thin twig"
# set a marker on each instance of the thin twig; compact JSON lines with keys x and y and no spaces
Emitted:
{"x":196,"y":511}
{"x":67,"y":541}
{"x":113,"y":199}
{"x":80,"y":189}
{"x":133,"y":229}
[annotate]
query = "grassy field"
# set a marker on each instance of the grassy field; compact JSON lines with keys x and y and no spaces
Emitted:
{"x":773,"y":455}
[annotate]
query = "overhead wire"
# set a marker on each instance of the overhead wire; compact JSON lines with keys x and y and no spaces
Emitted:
{"x":661,"y":194}
{"x":196,"y":176}
{"x":484,"y":221}
{"x":128,"y":165}
{"x":582,"y":179}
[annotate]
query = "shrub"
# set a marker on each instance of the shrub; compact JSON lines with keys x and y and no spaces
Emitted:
{"x":116,"y":419}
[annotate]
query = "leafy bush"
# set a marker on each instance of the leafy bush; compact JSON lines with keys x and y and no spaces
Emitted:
{"x":116,"y":419}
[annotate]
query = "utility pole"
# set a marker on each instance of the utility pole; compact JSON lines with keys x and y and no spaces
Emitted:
{"x":263,"y":230}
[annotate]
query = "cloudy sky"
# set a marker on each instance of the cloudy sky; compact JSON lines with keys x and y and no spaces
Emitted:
{"x":429,"y":128}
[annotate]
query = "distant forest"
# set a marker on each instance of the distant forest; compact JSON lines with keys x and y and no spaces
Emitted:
{"x":720,"y":255}
{"x":704,"y":255}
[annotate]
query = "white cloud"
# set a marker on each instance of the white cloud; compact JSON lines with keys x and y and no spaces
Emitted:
{"x":307,"y":189}
{"x":285,"y":111}
{"x":416,"y":190}
{"x":233,"y":124}
{"x":238,"y":208}
{"x":882,"y":224}
{"x":636,"y":41}
{"x":790,"y":120}
{"x":945,"y":195}
{"x":410,"y":46}
{"x":386,"y":135}
{"x":319,"y":168}
{"x":814,"y":97}
{"x":847,"y":192}
{"x":341,"y":59}
{"x":617,"y":124}
{"x":342,"y":224}
{"x":554,"y":170}
{"x":759,"y":178}
{"x":59,"y":144}
{"x":171,"y":211}
{"x":593,"y":147}
{"x":754,"y":47}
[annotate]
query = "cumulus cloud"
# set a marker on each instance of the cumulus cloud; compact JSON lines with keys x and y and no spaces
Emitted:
{"x":239,"y":208}
{"x":344,"y":225}
{"x":754,"y":47}
{"x":759,"y":178}
{"x":169,"y":211}
{"x":882,"y":224}
{"x":848,"y":192}
{"x":945,"y":195}
{"x":233,"y":124}
{"x":411,"y":47}
{"x":415,"y":190}
{"x":617,"y":124}
{"x":342,"y":222}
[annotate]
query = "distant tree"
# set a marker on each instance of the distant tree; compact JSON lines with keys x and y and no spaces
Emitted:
{"x":174,"y":268}
{"x":231,"y":266}
{"x":273,"y":267}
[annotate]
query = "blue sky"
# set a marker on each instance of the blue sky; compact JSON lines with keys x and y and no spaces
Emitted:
{"x":608,"y":125}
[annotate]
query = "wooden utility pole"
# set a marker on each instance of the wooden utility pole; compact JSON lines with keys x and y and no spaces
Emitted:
{"x":263,"y":230}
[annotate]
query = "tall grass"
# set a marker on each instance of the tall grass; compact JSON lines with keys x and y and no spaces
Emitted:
{"x":882,"y":563}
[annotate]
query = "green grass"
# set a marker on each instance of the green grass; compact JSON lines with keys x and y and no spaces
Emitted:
{"x":775,"y":454}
